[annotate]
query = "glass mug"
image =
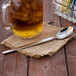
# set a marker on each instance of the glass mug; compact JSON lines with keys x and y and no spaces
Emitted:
{"x":25,"y":17}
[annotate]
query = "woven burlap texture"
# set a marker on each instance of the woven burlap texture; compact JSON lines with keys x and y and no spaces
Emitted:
{"x":48,"y":48}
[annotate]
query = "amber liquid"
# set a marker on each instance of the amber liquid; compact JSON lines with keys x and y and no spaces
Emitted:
{"x":26,"y":17}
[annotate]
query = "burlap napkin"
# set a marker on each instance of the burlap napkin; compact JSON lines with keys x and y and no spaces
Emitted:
{"x":48,"y":48}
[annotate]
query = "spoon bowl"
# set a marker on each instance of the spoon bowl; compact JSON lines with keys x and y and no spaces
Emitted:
{"x":64,"y":33}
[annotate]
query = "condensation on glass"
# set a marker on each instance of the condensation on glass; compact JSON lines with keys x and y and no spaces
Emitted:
{"x":25,"y":17}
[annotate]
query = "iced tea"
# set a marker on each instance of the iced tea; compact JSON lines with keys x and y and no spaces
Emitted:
{"x":26,"y":17}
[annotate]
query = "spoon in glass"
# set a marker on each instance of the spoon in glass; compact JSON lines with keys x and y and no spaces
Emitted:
{"x":60,"y":35}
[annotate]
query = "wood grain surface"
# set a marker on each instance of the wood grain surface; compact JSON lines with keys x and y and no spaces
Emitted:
{"x":14,"y":64}
{"x":61,"y":64}
{"x":70,"y":50}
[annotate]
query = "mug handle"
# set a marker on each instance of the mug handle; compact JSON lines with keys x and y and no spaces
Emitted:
{"x":5,"y":5}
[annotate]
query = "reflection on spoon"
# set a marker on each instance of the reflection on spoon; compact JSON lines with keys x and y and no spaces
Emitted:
{"x":60,"y":35}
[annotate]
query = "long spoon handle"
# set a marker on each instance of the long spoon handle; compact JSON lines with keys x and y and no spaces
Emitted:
{"x":42,"y":41}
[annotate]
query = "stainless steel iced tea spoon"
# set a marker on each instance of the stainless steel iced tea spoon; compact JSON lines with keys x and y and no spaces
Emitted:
{"x":60,"y":35}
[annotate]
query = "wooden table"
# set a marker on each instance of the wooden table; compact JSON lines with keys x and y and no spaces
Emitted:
{"x":62,"y":63}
